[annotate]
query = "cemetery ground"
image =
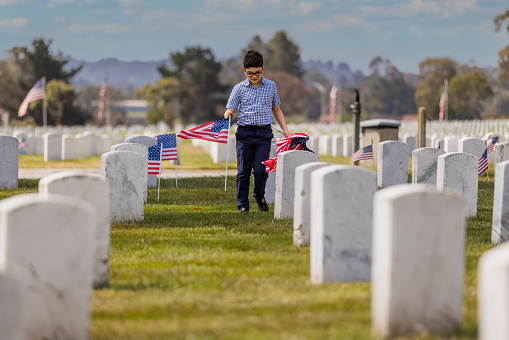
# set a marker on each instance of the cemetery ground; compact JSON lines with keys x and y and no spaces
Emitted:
{"x":197,"y":269}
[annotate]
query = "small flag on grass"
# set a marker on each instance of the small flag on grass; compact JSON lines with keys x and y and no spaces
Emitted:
{"x":214,"y":131}
{"x":169,"y":146}
{"x":362,"y":154}
{"x":154,"y":160}
{"x":483,"y":163}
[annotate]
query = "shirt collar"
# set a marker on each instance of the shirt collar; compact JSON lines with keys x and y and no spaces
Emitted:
{"x":247,"y":83}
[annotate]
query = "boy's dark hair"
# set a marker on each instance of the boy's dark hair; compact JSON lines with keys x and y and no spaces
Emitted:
{"x":253,"y":58}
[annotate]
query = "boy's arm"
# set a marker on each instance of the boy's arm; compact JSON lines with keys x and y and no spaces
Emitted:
{"x":280,"y":117}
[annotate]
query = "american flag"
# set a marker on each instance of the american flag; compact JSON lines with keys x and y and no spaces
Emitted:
{"x":214,"y":131}
{"x":441,"y":104}
{"x":483,"y":163}
{"x":333,"y":96}
{"x":102,"y":96}
{"x":362,"y":154}
{"x":295,"y":141}
{"x":169,"y":145}
{"x":154,"y":159}
{"x":490,"y":145}
{"x":22,"y":143}
{"x":36,"y":93}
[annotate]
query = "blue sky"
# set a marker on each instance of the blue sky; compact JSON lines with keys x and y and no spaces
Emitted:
{"x":353,"y":31}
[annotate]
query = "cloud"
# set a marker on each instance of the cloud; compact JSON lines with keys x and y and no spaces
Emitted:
{"x":59,"y":2}
{"x":304,"y":7}
{"x":7,"y":2}
{"x":13,"y":23}
{"x":420,"y":7}
{"x":336,"y":21}
{"x":129,"y":3}
{"x":61,"y":18}
{"x":347,"y":20}
{"x":106,"y":28}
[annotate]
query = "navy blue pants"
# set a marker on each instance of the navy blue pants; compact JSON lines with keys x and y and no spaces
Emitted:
{"x":253,"y":147}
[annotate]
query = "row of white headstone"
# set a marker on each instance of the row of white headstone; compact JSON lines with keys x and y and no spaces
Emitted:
{"x":408,"y":239}
{"x":56,"y":245}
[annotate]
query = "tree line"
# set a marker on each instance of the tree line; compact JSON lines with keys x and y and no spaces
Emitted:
{"x":197,"y":86}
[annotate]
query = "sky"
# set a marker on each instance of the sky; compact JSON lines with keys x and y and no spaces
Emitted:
{"x":352,"y":31}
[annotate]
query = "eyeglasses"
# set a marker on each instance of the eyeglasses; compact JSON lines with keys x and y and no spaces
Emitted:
{"x":252,"y":74}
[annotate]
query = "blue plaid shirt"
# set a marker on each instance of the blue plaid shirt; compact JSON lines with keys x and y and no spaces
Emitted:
{"x":254,"y":103}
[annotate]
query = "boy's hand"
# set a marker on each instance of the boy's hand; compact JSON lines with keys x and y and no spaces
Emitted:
{"x":228,"y":113}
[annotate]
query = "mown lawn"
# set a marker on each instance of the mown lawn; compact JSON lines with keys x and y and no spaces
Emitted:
{"x":196,"y":269}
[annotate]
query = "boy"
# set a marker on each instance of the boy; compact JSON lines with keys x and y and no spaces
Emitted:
{"x":254,"y":98}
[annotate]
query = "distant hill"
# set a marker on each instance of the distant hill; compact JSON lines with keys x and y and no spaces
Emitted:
{"x":125,"y":75}
{"x":129,"y":75}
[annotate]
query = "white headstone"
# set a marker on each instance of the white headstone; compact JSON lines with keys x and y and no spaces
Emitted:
{"x":125,"y":172}
{"x":69,"y":147}
{"x":35,"y":145}
{"x":13,"y":311}
{"x":48,"y":248}
{"x":392,"y":163}
{"x":147,"y":141}
{"x":325,"y":145}
{"x":493,"y":294}
{"x":84,"y":146}
{"x":451,"y":144}
{"x":418,"y":260}
{"x":412,"y":143}
{"x":458,"y":171}
{"x":424,"y":165}
{"x":270,"y":185}
{"x":96,"y":191}
{"x":138,"y":148}
{"x":313,"y":143}
{"x":285,"y":179}
{"x":471,"y":145}
{"x":501,"y":153}
{"x":347,"y":145}
{"x":9,"y":162}
{"x":341,"y":223}
{"x":302,"y":201}
{"x":337,"y":145}
{"x":94,"y":142}
{"x":500,"y":222}
{"x":52,"y":146}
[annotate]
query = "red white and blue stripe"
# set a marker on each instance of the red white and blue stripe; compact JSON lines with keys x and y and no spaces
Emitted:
{"x":490,"y":145}
{"x":362,"y":154}
{"x":36,"y":93}
{"x":154,"y":160}
{"x":169,"y":146}
{"x":483,"y":163}
{"x":214,"y":131}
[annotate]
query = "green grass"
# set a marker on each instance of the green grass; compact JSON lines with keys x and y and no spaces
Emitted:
{"x":196,"y":269}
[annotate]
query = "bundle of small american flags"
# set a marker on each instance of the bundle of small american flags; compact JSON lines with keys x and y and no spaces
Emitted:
{"x":295,"y":141}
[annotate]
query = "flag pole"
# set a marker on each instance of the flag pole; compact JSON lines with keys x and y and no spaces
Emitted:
{"x":44,"y":106}
{"x":227,"y":147}
{"x":373,"y":159}
{"x":176,"y":171}
{"x":160,"y":171}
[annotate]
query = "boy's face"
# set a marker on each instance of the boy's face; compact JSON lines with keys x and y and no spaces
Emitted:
{"x":254,"y":74}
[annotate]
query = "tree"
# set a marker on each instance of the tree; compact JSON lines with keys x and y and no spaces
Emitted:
{"x":291,"y":91}
{"x":58,"y":95}
{"x":467,"y":94}
{"x":280,"y":54}
{"x":433,"y":72}
{"x":284,"y":55}
{"x":503,"y":54}
{"x":26,"y":66}
{"x":386,"y":92}
{"x":162,"y":99}
{"x":199,"y":88}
